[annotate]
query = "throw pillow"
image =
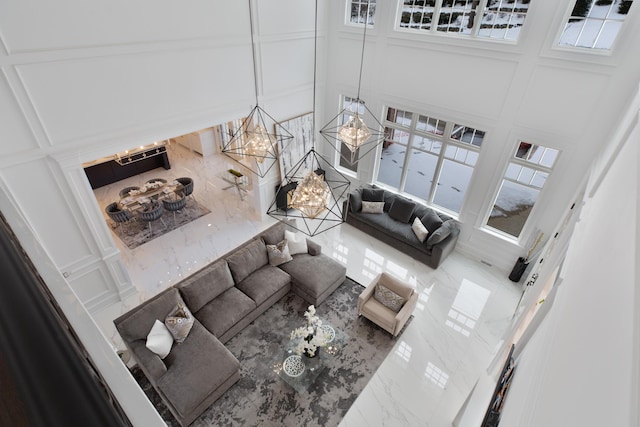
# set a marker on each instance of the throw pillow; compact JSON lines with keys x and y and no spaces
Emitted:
{"x":388,"y":298}
{"x":441,"y":233}
{"x":373,"y":194}
{"x":179,"y":322}
{"x":296,"y":241}
{"x":419,"y":229}
{"x":279,"y":254}
{"x":372,"y":207}
{"x":431,"y":220}
{"x":159,"y":339}
{"x":401,"y":209}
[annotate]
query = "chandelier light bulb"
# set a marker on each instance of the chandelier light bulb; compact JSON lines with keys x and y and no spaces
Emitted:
{"x":311,"y":196}
{"x":259,"y":144}
{"x":354,"y":133}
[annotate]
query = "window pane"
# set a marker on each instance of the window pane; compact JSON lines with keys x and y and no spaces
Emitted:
{"x":452,"y":185}
{"x":454,"y":16}
{"x":420,"y":173}
{"x":397,"y":135}
{"x":594,"y":24}
{"x":391,"y":163}
{"x":426,"y":144}
{"x":513,"y":171}
{"x":431,"y":125}
{"x":417,"y":14}
{"x":362,"y":9}
{"x":525,"y":175}
{"x":549,"y":157}
{"x":466,"y":134}
{"x":400,"y":117}
{"x":512,"y":208}
{"x":539,"y":178}
{"x":502,"y":19}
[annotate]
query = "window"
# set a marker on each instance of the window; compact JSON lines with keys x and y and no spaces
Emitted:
{"x":525,"y":176}
{"x":361,"y":9}
{"x":594,"y":24}
{"x":500,"y":19}
{"x":428,"y":158}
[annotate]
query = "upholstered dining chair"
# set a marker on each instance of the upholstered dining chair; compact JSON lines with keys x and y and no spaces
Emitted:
{"x":175,"y":205}
{"x":125,"y":191}
{"x":152,"y":214}
{"x":117,"y":215}
{"x":390,"y":311}
{"x":187,"y":184}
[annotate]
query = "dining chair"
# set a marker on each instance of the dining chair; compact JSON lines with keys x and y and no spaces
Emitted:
{"x":187,"y":184}
{"x":118,"y":215}
{"x":152,"y":214}
{"x":162,"y":180}
{"x":175,"y":205}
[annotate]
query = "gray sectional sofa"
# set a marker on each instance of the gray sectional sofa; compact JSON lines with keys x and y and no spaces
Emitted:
{"x":393,"y":225}
{"x":223,"y":298}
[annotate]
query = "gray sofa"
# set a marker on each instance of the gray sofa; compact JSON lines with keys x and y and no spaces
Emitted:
{"x":223,"y":298}
{"x":393,"y":224}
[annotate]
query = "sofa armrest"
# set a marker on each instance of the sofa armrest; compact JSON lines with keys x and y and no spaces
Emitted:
{"x":366,"y":294}
{"x":441,"y":250}
{"x":148,"y":360}
{"x":313,"y":248}
{"x":405,"y":312}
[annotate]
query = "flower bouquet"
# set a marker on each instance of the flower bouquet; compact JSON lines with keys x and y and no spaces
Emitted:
{"x":308,"y":339}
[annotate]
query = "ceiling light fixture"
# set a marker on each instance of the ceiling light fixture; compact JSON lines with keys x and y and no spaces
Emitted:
{"x":314,"y":187}
{"x":353,"y":133}
{"x":252,"y":145}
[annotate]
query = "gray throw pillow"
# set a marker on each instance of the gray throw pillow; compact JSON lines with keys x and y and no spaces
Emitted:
{"x":441,"y":233}
{"x":279,"y":254}
{"x":401,"y":209}
{"x":431,"y":220}
{"x":373,"y":194}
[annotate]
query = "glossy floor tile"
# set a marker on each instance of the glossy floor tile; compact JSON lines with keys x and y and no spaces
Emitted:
{"x":463,"y":309}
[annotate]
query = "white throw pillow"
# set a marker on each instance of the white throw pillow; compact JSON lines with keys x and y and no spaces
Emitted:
{"x":420,"y":230}
{"x":297,"y":242}
{"x":372,"y":207}
{"x":160,"y":339}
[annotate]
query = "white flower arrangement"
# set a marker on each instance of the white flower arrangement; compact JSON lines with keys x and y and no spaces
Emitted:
{"x":310,"y":337}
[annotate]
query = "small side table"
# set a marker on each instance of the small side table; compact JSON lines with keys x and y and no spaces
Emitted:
{"x":238,"y":182}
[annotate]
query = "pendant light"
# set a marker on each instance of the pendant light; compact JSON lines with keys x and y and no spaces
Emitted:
{"x":353,"y":133}
{"x":314,"y":187}
{"x":252,"y":141}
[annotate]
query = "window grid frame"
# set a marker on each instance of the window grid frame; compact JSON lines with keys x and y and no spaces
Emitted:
{"x":445,"y":139}
{"x":371,"y":19}
{"x":481,"y":10}
{"x":593,"y":49}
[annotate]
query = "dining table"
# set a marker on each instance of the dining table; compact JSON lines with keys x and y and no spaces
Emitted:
{"x":149,"y":193}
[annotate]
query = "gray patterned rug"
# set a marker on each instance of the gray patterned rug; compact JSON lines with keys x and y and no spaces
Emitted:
{"x":261,"y":398}
{"x":136,"y":233}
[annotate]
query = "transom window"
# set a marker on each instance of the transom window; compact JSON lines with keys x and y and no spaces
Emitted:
{"x":362,"y":10}
{"x":525,"y":176}
{"x":499,"y":19}
{"x":428,"y":158}
{"x":594,"y":24}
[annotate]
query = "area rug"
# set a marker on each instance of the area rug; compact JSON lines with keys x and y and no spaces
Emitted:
{"x":136,"y":233}
{"x":261,"y":398}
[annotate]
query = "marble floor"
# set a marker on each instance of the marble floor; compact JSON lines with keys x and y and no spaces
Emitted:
{"x":463,"y":309}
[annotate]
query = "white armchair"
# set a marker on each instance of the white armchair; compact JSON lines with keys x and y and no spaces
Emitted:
{"x":381,"y":315}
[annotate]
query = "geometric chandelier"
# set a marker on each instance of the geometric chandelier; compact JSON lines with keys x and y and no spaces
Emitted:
{"x":252,"y":142}
{"x":311,"y":193}
{"x":352,"y":138}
